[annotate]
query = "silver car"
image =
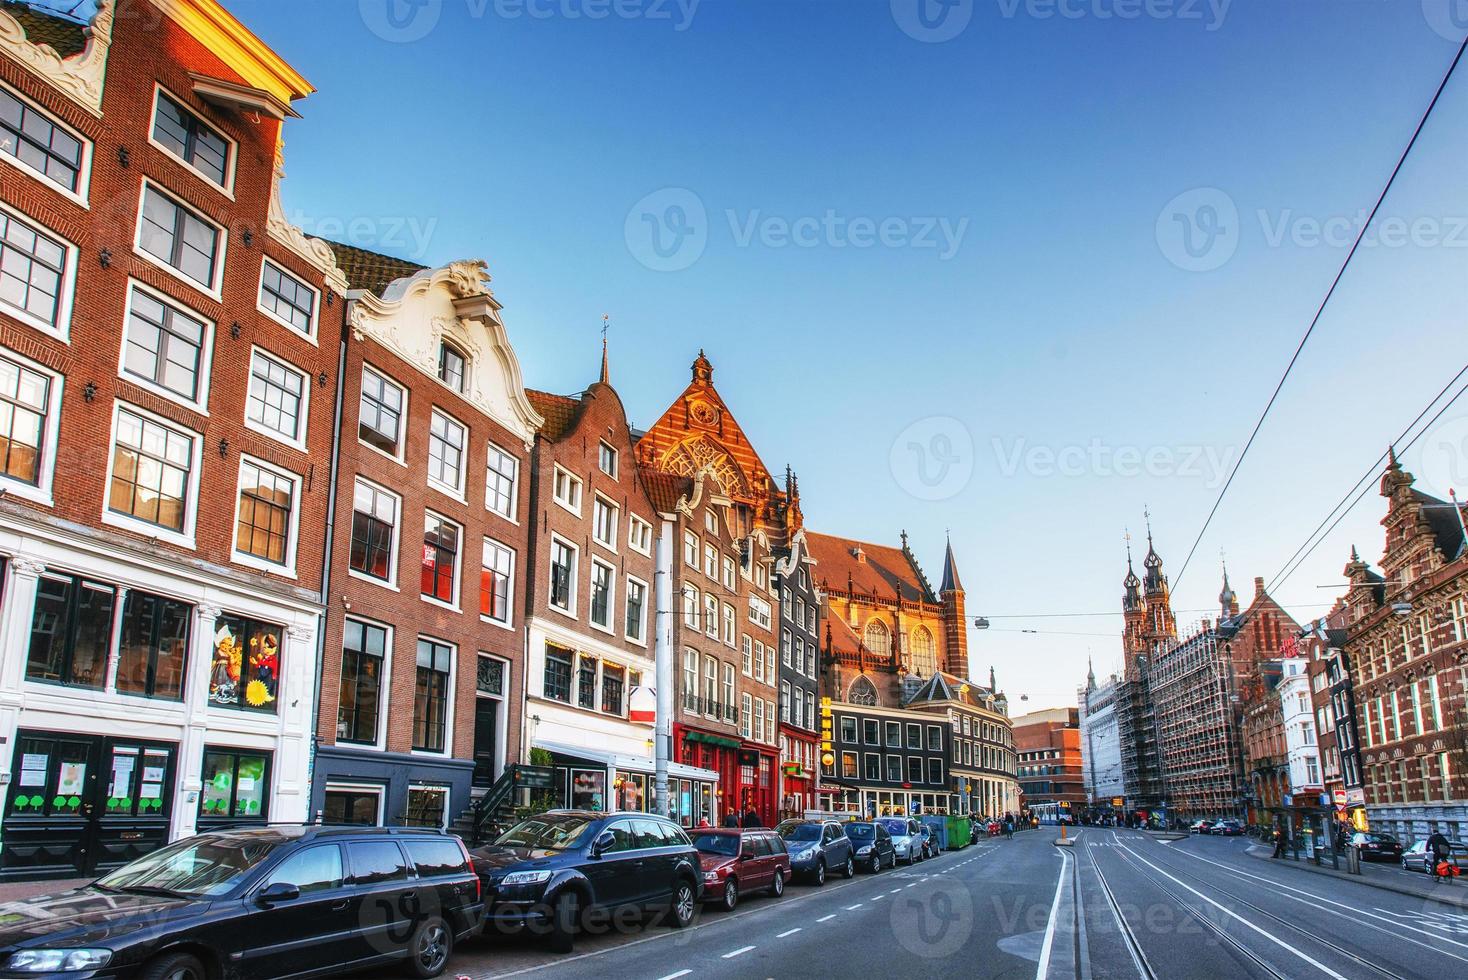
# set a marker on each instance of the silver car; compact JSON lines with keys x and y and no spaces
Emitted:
{"x":907,"y":838}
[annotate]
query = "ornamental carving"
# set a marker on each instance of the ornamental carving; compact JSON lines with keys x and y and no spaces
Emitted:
{"x":704,"y":413}
{"x":313,"y":250}
{"x":702,"y":454}
{"x":80,"y":77}
{"x":468,"y":278}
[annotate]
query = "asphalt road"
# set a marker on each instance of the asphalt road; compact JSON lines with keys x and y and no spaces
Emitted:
{"x":1117,"y":905}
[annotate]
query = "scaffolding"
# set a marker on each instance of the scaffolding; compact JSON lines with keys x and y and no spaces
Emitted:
{"x":1197,"y":712}
{"x":1141,"y":775}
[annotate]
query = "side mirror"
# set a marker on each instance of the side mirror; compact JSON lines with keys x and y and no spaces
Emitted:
{"x":604,"y":842}
{"x":280,"y":891}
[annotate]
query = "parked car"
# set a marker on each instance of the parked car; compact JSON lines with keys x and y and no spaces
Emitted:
{"x":873,"y":845}
{"x":262,"y":903}
{"x":931,"y":847}
{"x":1227,"y":828}
{"x":907,"y":838}
{"x":1418,"y":857}
{"x":564,"y":870}
{"x":737,"y":862}
{"x":1201,"y":826}
{"x":1376,"y":847}
{"x":817,"y":847}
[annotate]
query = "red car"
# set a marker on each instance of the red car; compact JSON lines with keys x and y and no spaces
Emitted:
{"x":736,"y":862}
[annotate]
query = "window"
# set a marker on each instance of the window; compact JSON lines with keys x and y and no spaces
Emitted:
{"x":710,"y":685}
{"x":562,"y":576}
{"x":924,"y":659}
{"x":848,"y":766}
{"x":690,"y":549}
{"x":690,"y":607}
{"x":759,"y":612}
{"x":446,"y":439}
{"x":746,"y":646}
{"x":364,"y":651}
{"x":34,"y":268}
{"x":728,"y":618}
{"x":586,"y":683}
{"x":862,"y":691}
{"x":870,"y":733}
{"x":785,"y":647}
{"x":235,"y":785}
{"x":183,"y":134}
{"x":566,"y":489}
{"x":894,"y":735}
{"x":728,"y":692}
{"x":153,"y":646}
{"x":350,"y":806}
{"x":636,"y":610}
{"x":380,"y":416}
{"x":26,"y":421}
{"x":873,"y":767}
{"x":914,"y":769}
{"x":319,"y":869}
{"x":71,"y":632}
{"x":639,"y":535}
{"x":710,"y":522}
{"x":711,"y":614}
{"x":746,"y":714}
{"x":604,"y":522}
{"x":878,"y":639}
{"x":499,"y":491}
{"x":606,"y":460}
{"x":690,"y":679}
{"x":276,"y":398}
{"x":287,"y":299}
{"x":495,"y":589}
{"x":557,"y":682}
{"x":785,"y":702}
{"x":711,"y":562}
{"x":759,"y":661}
{"x":602,"y":577}
{"x":245,"y":670}
{"x":935,"y":738}
{"x":440,"y":558}
{"x":894,"y":768}
{"x":914,"y":736}
{"x":810,"y":710}
{"x":377,"y":861}
{"x":152,"y":472}
{"x":848,"y":729}
{"x":164,"y":346}
{"x":179,"y":238}
{"x":729,"y":573}
{"x":613,"y":686}
{"x":935,"y":772}
{"x":374,"y":530}
{"x":33,"y":139}
{"x":265,"y":515}
{"x":431,"y":696}
{"x":451,"y":366}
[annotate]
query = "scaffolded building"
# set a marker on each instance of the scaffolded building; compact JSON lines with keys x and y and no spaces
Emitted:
{"x":1199,"y":724}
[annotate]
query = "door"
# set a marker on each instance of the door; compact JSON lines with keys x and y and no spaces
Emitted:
{"x":390,"y":906}
{"x":312,"y":932}
{"x":83,"y":804}
{"x":755,"y":862}
{"x":659,"y":857}
{"x":615,"y":876}
{"x":486,"y":740}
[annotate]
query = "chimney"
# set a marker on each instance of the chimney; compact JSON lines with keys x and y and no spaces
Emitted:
{"x":1258,"y":586}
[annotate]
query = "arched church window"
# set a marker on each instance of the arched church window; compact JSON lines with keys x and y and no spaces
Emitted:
{"x":924,"y":654}
{"x":878,"y":640}
{"x":863,"y":692}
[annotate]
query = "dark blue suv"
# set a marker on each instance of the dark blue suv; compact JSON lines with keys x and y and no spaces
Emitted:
{"x":563,"y":871}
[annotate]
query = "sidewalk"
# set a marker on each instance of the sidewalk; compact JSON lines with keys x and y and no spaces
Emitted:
{"x":19,"y":891}
{"x":1401,"y":882}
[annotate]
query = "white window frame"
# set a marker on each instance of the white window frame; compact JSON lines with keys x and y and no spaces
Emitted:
{"x":729,"y":620}
{"x":391,"y":582}
{"x":376,"y":789}
{"x":41,"y":491}
{"x":691,"y":543}
{"x":711,"y":562}
{"x":451,"y":696}
{"x":66,"y":298}
{"x":401,"y":447}
{"x":288,"y":570}
{"x":512,"y":516}
{"x":711,"y":622}
{"x":605,"y":450}
{"x":184,"y":538}
{"x":384,"y":696}
{"x":303,"y":415}
{"x":639,"y":535}
{"x":456,"y":492}
{"x":231,"y":164}
{"x":610,"y":627}
{"x":509,"y":622}
{"x":84,"y":168}
{"x":315,"y":301}
{"x":212,"y":289}
{"x":456,"y":604}
{"x":641,"y":638}
{"x":573,"y":484}
{"x":609,"y":542}
{"x":692,"y":606}
{"x":569,"y":612}
{"x":200,"y":403}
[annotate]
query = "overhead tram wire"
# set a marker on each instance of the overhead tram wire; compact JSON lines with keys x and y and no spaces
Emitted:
{"x":1286,"y":575}
{"x":1371,"y":471}
{"x":1320,"y":311}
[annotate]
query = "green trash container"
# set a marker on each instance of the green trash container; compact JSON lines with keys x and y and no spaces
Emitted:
{"x":959,"y":829}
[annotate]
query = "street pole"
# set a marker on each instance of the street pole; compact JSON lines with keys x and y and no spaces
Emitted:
{"x":663,"y":728}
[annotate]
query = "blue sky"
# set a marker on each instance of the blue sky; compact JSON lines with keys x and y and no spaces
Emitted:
{"x":950,"y":281}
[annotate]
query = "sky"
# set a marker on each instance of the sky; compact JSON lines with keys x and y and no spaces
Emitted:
{"x":1012,"y":270}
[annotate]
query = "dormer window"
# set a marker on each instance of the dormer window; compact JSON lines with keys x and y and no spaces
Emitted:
{"x":451,"y":366}
{"x":193,"y":141}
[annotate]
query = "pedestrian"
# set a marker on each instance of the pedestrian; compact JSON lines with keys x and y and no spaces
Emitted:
{"x":731,"y":820}
{"x":1441,"y":851}
{"x":751,"y":819}
{"x":1009,"y":828}
{"x":1279,"y":842}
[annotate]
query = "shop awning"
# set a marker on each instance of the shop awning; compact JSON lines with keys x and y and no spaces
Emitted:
{"x":720,"y":740}
{"x":626,"y":763}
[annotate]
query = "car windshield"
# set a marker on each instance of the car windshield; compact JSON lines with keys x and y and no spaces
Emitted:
{"x":726,"y":845}
{"x":550,"y":832}
{"x":897,"y":828}
{"x":194,"y":867}
{"x":860,"y":831}
{"x":1380,"y":838}
{"x":800,"y":831}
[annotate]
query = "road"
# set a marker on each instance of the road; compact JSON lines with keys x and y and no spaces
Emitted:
{"x":1118,"y":904}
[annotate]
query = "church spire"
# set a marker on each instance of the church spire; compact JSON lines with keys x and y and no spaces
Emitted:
{"x":1228,"y":600}
{"x":1090,"y":674}
{"x":950,"y":572}
{"x":605,"y":323}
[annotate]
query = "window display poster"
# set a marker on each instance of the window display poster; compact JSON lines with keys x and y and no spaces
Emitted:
{"x":73,"y":775}
{"x":33,"y":768}
{"x":588,"y":789}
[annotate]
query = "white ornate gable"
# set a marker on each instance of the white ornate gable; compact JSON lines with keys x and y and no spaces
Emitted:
{"x":80,"y":77}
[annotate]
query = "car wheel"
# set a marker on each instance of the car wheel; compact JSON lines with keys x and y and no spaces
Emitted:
{"x":850,"y":870}
{"x":432,"y":945}
{"x":777,"y":887}
{"x":876,"y":863}
{"x":681,"y":911}
{"x":819,"y":875}
{"x":731,"y":895}
{"x":174,"y":966}
{"x":565,"y":920}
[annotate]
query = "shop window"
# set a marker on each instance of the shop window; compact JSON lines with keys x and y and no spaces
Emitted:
{"x":71,"y":632}
{"x":154,"y":646}
{"x":588,"y":789}
{"x":235,"y":785}
{"x":354,"y":806}
{"x":245,"y":671}
{"x":427,"y":806}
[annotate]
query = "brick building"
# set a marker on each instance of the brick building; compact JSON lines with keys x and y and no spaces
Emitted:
{"x":422,"y":681}
{"x":1406,"y":646}
{"x":1268,"y":764}
{"x":800,"y":670}
{"x":1051,"y":767}
{"x":167,"y":372}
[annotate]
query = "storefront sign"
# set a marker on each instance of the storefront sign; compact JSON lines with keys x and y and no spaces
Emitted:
{"x":535,"y":777}
{"x":1356,"y":797}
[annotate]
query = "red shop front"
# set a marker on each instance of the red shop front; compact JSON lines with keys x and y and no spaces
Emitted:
{"x":797,"y":772}
{"x":757,"y":778}
{"x":707,"y":750}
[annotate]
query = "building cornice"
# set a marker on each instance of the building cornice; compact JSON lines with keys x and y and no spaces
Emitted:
{"x":234,"y":44}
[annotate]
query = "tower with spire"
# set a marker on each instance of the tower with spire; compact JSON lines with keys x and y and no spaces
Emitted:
{"x":1134,"y":610}
{"x":1228,"y":600}
{"x":1161,"y":624}
{"x":950,"y":594}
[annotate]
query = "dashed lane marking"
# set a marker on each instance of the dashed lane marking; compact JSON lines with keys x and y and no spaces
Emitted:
{"x":675,"y":976}
{"x":827,"y":918}
{"x":788,"y":932}
{"x":738,"y":952}
{"x":853,"y":908}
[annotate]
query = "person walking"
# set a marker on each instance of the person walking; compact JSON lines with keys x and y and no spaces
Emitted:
{"x":1009,"y":828}
{"x":731,"y":819}
{"x":1441,"y":851}
{"x":751,"y":818}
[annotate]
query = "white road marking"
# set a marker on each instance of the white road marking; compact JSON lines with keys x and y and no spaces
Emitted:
{"x":853,"y":908}
{"x":827,"y":918}
{"x":896,"y":890}
{"x":738,"y":952}
{"x":788,"y":932}
{"x":878,"y":898}
{"x":1043,"y":967}
{"x":675,"y":976}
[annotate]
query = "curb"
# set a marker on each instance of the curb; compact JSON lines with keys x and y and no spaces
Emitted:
{"x":1388,"y":886}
